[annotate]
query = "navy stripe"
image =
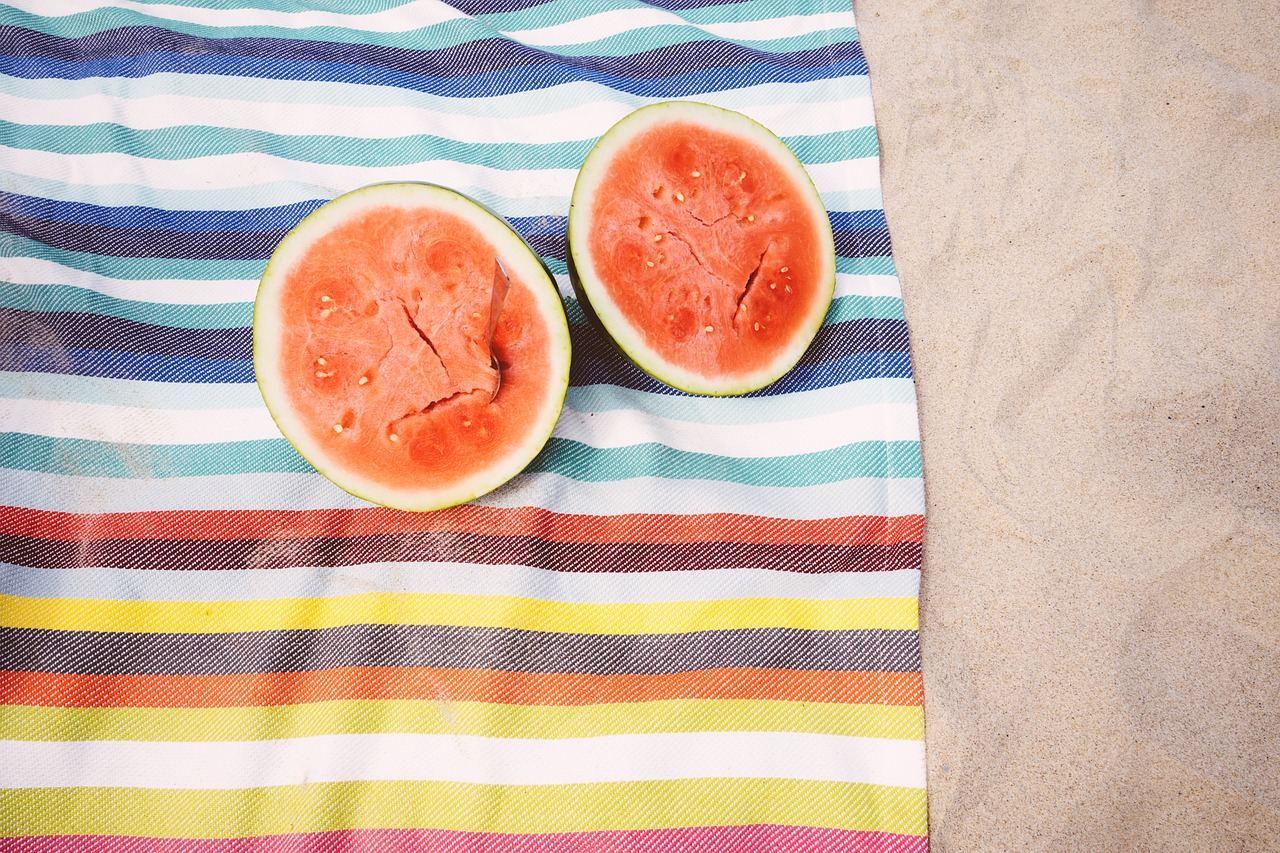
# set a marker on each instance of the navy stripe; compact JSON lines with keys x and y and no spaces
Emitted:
{"x":162,"y":368}
{"x":284,"y":216}
{"x":58,"y":331}
{"x":156,"y":218}
{"x":482,"y":86}
{"x":481,"y":56}
{"x":126,"y":242}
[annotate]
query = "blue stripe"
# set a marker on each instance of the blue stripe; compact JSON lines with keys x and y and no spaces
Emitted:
{"x":484,"y":85}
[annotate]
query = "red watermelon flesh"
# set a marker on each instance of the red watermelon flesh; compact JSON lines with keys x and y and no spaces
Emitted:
{"x":703,"y":250}
{"x":378,"y":365}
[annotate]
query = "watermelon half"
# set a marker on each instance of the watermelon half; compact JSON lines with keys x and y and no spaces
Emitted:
{"x":699,"y":243}
{"x":371,"y":343}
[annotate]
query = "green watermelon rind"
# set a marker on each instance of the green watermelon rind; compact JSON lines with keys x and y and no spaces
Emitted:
{"x":594,"y":300}
{"x":519,"y":258}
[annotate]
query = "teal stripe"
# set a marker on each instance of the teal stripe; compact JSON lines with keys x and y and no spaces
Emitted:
{"x":828,"y":93}
{"x":281,"y":193}
{"x":450,"y":579}
{"x":350,"y":7}
{"x":57,"y":297}
{"x":571,"y":459}
{"x":588,"y":398}
{"x":190,"y":142}
{"x":201,"y":271}
{"x":437,"y":36}
{"x":80,"y":24}
{"x":63,"y":493}
{"x":882,"y":265}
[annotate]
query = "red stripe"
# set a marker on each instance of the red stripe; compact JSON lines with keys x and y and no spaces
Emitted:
{"x":742,"y":839}
{"x":460,"y":685}
{"x":469,"y":518}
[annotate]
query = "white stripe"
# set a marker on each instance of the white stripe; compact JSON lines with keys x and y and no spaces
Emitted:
{"x":848,"y":284}
{"x":24,"y":270}
{"x":89,"y":495}
{"x":607,"y":429}
{"x":410,"y":16}
{"x":233,"y":170}
{"x":226,"y":171}
{"x":461,"y":758}
{"x":386,"y":121}
{"x":621,"y":428}
{"x":620,"y":21}
{"x":129,"y":425}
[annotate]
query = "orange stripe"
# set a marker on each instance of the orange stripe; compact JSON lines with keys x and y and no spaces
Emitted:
{"x":295,"y":688}
{"x":468,"y":518}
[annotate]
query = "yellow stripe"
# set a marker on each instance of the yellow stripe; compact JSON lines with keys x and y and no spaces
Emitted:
{"x":462,"y":718}
{"x":449,"y":805}
{"x":212,"y":617}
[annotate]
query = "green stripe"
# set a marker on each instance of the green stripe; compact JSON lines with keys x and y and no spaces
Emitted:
{"x":191,"y":141}
{"x":445,"y":34}
{"x":572,"y":459}
{"x":450,"y":805}
{"x":462,"y":718}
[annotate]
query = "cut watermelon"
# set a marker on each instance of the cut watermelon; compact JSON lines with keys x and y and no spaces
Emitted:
{"x":372,"y":345}
{"x":699,"y":243}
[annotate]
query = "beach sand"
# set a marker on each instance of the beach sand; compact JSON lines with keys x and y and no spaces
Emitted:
{"x":1084,"y":201}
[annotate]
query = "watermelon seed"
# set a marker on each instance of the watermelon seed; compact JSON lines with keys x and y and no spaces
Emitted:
{"x":751,"y":217}
{"x":679,"y":196}
{"x":773,"y":285}
{"x":320,"y":360}
{"x":337,"y":427}
{"x":709,"y":329}
{"x":393,"y":437}
{"x":784,"y":269}
{"x":696,"y":173}
{"x":324,"y":315}
{"x":788,"y":288}
{"x":326,"y":299}
{"x":671,"y":316}
{"x":475,"y":315}
{"x":657,"y":238}
{"x":364,"y":380}
{"x":742,"y":177}
{"x":324,"y":375}
{"x":466,"y":423}
{"x":757,"y":327}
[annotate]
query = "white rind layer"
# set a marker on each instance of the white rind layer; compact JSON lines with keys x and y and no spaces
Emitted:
{"x":520,"y":261}
{"x":593,"y":172}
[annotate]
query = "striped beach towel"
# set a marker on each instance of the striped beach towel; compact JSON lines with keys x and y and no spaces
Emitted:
{"x":689,"y":625}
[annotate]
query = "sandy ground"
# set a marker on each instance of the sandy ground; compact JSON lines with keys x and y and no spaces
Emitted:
{"x":1084,"y":200}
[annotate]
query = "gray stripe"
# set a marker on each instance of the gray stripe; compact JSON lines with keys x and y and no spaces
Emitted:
{"x":111,"y":653}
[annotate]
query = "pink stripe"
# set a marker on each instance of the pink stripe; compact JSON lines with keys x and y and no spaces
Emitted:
{"x":702,"y":839}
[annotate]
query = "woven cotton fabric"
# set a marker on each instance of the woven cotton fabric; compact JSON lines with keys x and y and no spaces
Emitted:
{"x":690,"y":624}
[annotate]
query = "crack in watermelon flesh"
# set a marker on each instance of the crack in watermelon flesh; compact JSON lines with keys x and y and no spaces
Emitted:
{"x":387,"y":327}
{"x":702,"y":243}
